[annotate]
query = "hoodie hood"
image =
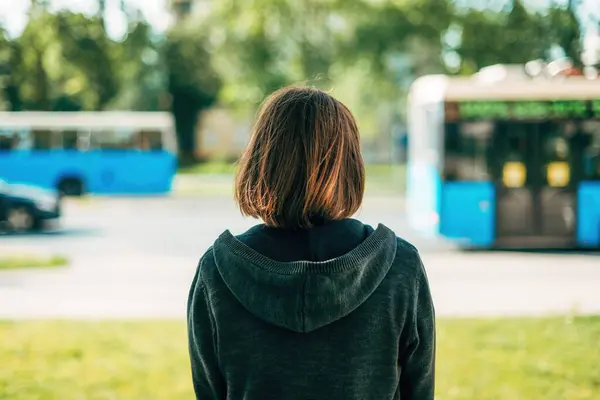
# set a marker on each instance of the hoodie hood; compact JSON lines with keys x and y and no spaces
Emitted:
{"x":304,"y":295}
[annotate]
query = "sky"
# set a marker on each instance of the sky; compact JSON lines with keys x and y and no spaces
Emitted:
{"x":13,"y":12}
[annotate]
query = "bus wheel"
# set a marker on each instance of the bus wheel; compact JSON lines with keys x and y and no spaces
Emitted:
{"x":20,"y":219}
{"x":71,"y":187}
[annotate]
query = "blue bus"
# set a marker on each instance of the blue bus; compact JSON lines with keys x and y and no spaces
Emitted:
{"x":105,"y":153}
{"x":504,"y":160}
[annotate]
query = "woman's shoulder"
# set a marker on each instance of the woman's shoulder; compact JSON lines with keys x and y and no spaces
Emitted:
{"x":405,"y":248}
{"x":206,"y":266}
{"x":406,"y":259}
{"x":407,"y":262}
{"x":405,"y":251}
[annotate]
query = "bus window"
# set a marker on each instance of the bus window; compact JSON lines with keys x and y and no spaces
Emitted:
{"x":112,"y":139}
{"x":7,"y":141}
{"x":15,"y":139}
{"x":150,"y":140}
{"x":467,"y":151}
{"x":69,"y":139}
{"x":44,"y":139}
{"x":84,"y":140}
{"x":591,"y":151}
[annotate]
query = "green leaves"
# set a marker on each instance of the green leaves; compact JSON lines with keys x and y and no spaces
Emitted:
{"x":84,"y":45}
{"x":192,"y":83}
{"x":64,"y":61}
{"x":516,"y":35}
{"x":367,"y":52}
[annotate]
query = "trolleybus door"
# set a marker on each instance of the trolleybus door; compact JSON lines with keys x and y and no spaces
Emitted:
{"x":558,"y":180}
{"x":536,"y":183}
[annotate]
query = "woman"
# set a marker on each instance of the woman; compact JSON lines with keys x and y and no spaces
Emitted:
{"x":311,"y":304}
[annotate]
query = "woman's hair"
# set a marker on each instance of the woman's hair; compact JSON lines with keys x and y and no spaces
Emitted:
{"x":303,"y":164}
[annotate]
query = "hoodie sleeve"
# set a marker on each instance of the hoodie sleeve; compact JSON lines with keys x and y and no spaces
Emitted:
{"x":208,"y":381}
{"x":417,"y":380}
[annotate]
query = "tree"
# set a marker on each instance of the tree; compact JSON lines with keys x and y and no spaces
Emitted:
{"x":66,"y":62}
{"x":516,"y":35}
{"x":366,"y":52}
{"x":7,"y":100}
{"x":31,"y":55}
{"x":389,"y":28}
{"x":86,"y":47}
{"x":192,"y":83}
{"x":492,"y":37}
{"x":141,"y":71}
{"x":261,"y":45}
{"x":564,"y":30}
{"x":387,"y":45}
{"x":61,"y":62}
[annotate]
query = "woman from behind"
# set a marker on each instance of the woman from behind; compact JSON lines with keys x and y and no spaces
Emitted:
{"x":311,"y":304}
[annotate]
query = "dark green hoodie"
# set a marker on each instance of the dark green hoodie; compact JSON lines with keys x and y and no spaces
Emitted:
{"x":339,"y":311}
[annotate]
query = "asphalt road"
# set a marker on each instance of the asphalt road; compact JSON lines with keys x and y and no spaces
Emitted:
{"x":135,"y":258}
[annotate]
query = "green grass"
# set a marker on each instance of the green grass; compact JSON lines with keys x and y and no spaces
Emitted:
{"x":528,"y":359}
{"x":381,"y":178}
{"x":385,"y":178}
{"x":209,"y":168}
{"x":28,"y":261}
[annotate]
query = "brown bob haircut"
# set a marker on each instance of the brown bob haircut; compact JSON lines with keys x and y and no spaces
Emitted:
{"x":303,"y":165}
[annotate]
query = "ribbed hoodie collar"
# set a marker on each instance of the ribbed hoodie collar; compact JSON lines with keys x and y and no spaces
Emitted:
{"x":304,"y":295}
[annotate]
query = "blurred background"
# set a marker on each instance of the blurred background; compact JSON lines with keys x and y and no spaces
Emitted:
{"x":120,"y":125}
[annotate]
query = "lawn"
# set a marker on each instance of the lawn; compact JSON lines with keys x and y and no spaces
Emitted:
{"x":529,"y":359}
{"x":381,"y":178}
{"x":27,"y":261}
{"x":209,"y":168}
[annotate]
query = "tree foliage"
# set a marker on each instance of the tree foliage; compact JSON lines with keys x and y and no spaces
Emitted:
{"x":516,"y":35}
{"x":366,"y":51}
{"x":192,"y":83}
{"x":88,"y":51}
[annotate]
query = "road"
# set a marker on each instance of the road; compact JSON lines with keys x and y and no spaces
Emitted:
{"x":135,"y":258}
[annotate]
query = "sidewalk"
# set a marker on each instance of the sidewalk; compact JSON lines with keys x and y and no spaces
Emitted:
{"x":463,"y":285}
{"x":11,"y":250}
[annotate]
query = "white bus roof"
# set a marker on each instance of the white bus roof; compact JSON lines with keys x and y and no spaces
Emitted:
{"x":571,"y":88}
{"x":106,"y":119}
{"x":433,"y":88}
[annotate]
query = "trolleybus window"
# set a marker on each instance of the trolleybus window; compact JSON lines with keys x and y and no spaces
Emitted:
{"x":591,"y":150}
{"x":14,"y":139}
{"x":150,"y":140}
{"x":44,"y":139}
{"x":125,"y":139}
{"x":6,"y":141}
{"x":112,"y":139}
{"x":70,"y":139}
{"x":468,"y":147}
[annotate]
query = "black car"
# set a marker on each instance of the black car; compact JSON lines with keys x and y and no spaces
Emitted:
{"x":25,"y":207}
